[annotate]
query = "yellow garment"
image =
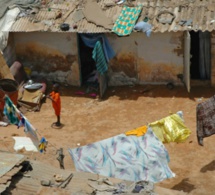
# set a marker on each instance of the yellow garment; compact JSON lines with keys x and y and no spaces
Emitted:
{"x":138,"y":131}
{"x":170,"y":129}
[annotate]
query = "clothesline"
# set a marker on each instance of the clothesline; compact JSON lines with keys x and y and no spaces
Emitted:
{"x":31,"y":131}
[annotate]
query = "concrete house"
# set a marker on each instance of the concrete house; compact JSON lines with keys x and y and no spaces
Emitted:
{"x":179,"y":48}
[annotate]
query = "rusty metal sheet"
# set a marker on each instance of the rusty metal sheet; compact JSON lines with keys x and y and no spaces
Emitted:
{"x":8,"y":161}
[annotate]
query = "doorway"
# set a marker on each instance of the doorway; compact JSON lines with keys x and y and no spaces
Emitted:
{"x":200,"y":59}
{"x":87,"y":63}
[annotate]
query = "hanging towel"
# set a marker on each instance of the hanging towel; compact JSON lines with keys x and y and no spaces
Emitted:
{"x":99,"y":58}
{"x":138,"y":131}
{"x":125,"y":157}
{"x":170,"y":129}
{"x":126,"y":20}
{"x":10,"y":111}
{"x":90,"y":40}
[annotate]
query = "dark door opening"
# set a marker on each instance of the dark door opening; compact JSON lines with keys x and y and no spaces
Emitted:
{"x":200,"y":60}
{"x":91,"y":78}
{"x":87,"y":63}
{"x":194,"y":58}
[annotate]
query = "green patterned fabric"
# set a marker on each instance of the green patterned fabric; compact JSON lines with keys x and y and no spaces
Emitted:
{"x":126,"y":20}
{"x":99,"y":57}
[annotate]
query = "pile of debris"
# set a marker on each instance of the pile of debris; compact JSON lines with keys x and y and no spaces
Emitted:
{"x":21,"y":176}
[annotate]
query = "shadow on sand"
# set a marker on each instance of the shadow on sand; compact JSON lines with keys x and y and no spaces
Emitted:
{"x":208,"y":167}
{"x":184,"y":185}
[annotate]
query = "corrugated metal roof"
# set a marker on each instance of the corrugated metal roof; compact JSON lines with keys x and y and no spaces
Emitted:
{"x":41,"y":171}
{"x":10,"y":164}
{"x":186,"y":14}
{"x":8,"y":161}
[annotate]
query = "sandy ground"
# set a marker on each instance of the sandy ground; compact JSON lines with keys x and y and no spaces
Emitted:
{"x":88,"y":120}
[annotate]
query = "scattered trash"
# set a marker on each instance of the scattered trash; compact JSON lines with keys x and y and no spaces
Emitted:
{"x":120,"y":2}
{"x":104,"y":186}
{"x":47,"y":22}
{"x":212,"y":21}
{"x":92,"y":95}
{"x":3,"y":124}
{"x":45,"y":182}
{"x":60,"y":157}
{"x":144,"y":26}
{"x":26,"y":175}
{"x":66,"y":181}
{"x":185,"y":22}
{"x":58,"y":178}
{"x":64,"y":27}
{"x":58,"y":15}
{"x":199,"y":99}
{"x":79,"y":93}
{"x":75,"y":26}
{"x":144,"y":90}
{"x":170,"y":86}
{"x":34,"y":11}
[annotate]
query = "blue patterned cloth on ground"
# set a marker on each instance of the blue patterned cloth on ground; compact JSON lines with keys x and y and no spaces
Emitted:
{"x":125,"y":157}
{"x":99,"y":58}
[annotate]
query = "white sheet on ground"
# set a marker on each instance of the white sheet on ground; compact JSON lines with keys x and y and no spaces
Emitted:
{"x":24,"y":143}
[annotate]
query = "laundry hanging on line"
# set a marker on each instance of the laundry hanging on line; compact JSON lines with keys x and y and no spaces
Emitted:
{"x":125,"y":157}
{"x":17,"y":118}
{"x":170,"y":129}
{"x":205,"y":119}
{"x":10,"y":111}
{"x":140,"y":131}
{"x":99,"y":58}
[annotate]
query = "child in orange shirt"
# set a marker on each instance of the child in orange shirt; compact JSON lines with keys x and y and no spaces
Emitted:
{"x":56,"y":102}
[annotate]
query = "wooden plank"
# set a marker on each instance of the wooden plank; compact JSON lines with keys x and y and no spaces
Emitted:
{"x":4,"y":69}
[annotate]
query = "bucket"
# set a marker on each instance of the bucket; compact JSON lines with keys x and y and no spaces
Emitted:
{"x":8,"y":87}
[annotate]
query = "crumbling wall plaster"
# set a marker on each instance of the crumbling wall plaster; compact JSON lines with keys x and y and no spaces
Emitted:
{"x":51,"y":55}
{"x":154,"y":59}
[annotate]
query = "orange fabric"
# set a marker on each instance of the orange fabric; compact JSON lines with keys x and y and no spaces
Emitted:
{"x":56,"y":103}
{"x":138,"y":131}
